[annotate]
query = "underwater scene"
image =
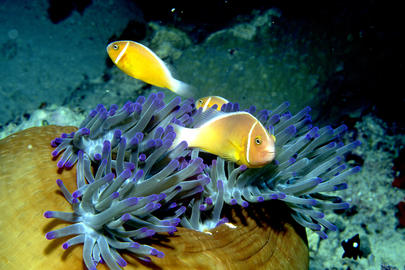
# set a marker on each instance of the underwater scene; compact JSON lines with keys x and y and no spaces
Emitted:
{"x":212,"y":134}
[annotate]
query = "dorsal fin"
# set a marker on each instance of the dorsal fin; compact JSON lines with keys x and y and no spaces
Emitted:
{"x":206,"y":116}
{"x":211,"y":114}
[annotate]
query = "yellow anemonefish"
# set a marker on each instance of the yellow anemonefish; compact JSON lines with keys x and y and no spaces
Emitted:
{"x":236,"y":136}
{"x":208,"y":102}
{"x":138,"y":61}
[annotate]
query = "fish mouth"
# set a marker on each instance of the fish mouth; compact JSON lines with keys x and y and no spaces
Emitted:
{"x":269,"y":152}
{"x":269,"y":156}
{"x":265,"y":158}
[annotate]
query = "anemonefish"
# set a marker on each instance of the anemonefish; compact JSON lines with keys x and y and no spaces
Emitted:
{"x":236,"y":136}
{"x":138,"y":61}
{"x":208,"y":102}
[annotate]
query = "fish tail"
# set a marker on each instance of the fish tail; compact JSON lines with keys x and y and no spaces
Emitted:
{"x":182,"y":89}
{"x":184,"y":134}
{"x":180,"y":131}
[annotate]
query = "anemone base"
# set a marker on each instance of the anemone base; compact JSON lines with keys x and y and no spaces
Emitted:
{"x":265,"y":236}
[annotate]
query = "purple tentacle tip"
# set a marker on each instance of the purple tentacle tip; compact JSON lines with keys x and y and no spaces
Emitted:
{"x":222,"y":221}
{"x":130,"y":166}
{"x":312,"y":202}
{"x":60,"y":164}
{"x":121,"y":262}
{"x":292,"y":160}
{"x":153,"y":252}
{"x":149,"y":233}
{"x":199,"y":189}
{"x":281,"y":195}
{"x":138,"y":174}
{"x":59,"y":182}
{"x":106,"y":145}
{"x":160,"y":254}
{"x":126,"y":174}
{"x":132,"y":201}
{"x":151,"y":143}
{"x":161,"y":196}
{"x":274,"y":197}
{"x":125,"y":217}
{"x":345,"y":205}
{"x":76,"y":194}
{"x":117,"y":133}
{"x":142,"y":157}
{"x":172,"y":205}
{"x":50,"y":235}
{"x":84,"y":131}
{"x":115,"y":195}
{"x":356,"y":169}
{"x":172,"y":230}
{"x":97,"y":156}
{"x":110,"y":177}
{"x":48,"y":214}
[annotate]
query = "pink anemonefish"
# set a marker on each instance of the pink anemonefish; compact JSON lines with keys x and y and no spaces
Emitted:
{"x":236,"y":136}
{"x":139,"y":62}
{"x":208,"y":102}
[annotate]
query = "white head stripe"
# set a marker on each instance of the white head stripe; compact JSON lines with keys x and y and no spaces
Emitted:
{"x":265,"y":131}
{"x":206,"y":104}
{"x":248,"y":142}
{"x":121,"y":53}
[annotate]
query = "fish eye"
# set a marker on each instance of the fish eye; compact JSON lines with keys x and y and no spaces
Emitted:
{"x":200,"y":101}
{"x":116,"y":47}
{"x":258,"y":140}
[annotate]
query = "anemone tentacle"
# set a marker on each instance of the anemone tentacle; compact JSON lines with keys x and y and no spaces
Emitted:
{"x":309,"y":161}
{"x":141,"y":185}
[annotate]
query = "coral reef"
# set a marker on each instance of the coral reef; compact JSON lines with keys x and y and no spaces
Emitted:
{"x":49,"y":115}
{"x":373,"y":201}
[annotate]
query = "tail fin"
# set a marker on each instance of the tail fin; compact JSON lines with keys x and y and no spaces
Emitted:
{"x":184,"y":134}
{"x":183,"y":89}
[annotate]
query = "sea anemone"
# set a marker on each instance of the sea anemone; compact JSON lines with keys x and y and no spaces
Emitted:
{"x":309,"y":161}
{"x":142,"y":184}
{"x":265,"y":236}
{"x":132,"y":193}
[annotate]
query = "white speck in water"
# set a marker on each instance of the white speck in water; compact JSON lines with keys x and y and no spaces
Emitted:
{"x":13,"y":34}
